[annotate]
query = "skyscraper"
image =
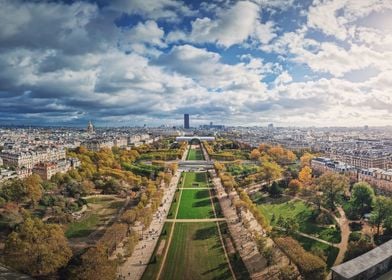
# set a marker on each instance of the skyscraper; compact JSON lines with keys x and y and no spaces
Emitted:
{"x":186,"y":121}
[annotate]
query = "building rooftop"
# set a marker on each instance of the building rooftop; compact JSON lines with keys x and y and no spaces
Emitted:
{"x":364,"y":262}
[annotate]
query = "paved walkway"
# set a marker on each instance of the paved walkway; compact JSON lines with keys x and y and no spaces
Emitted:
{"x":345,"y":234}
{"x":246,"y":246}
{"x":134,"y":266}
{"x":194,"y":188}
{"x":312,"y":237}
{"x":170,"y":235}
{"x":196,"y":220}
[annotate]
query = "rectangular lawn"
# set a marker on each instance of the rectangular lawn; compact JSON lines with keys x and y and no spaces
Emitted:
{"x":195,"y":253}
{"x":195,"y":154}
{"x":195,"y":180}
{"x":195,"y":204}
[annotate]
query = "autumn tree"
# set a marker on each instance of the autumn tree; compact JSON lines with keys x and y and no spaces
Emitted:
{"x":271,"y":171}
{"x":33,"y":188}
{"x":37,"y":248}
{"x":94,"y":264}
{"x":255,"y":154}
{"x":263,"y":148}
{"x":129,"y":216}
{"x":294,"y":186}
{"x":333,"y":187}
{"x":306,"y":159}
{"x":305,"y":176}
{"x":362,"y":196}
{"x":281,"y":155}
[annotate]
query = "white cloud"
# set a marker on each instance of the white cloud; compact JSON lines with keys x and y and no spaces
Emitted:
{"x":334,"y":17}
{"x":205,"y":67}
{"x":153,"y":9}
{"x":233,"y":25}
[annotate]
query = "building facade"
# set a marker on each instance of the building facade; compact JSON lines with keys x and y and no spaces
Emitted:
{"x":186,"y":121}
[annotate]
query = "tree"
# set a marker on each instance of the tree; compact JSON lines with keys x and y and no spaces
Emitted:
{"x":33,"y":188}
{"x":271,"y":171}
{"x":357,"y":248}
{"x":281,"y":155}
{"x":381,"y":211}
{"x":306,"y":159}
{"x":333,"y":187}
{"x":37,"y":248}
{"x":129,"y":216}
{"x":310,"y":266}
{"x":294,"y":186}
{"x":305,"y":176}
{"x":13,"y":191}
{"x":362,"y":197}
{"x":112,"y":186}
{"x":255,"y":154}
{"x":274,"y":190}
{"x":94,"y":264}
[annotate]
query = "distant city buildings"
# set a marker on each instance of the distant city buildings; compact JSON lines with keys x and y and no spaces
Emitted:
{"x":186,"y":121}
{"x":25,"y":151}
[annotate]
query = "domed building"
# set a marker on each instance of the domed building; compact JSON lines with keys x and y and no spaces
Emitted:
{"x":90,"y":128}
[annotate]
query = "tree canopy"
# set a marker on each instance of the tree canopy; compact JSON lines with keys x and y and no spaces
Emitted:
{"x":37,"y":248}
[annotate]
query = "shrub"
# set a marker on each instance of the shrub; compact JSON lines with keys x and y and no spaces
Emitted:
{"x":355,"y":236}
{"x":310,"y":266}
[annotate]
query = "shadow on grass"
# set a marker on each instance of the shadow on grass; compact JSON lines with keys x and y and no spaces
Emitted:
{"x":200,"y":177}
{"x":202,"y":203}
{"x":80,"y":233}
{"x":116,"y":204}
{"x":202,"y":194}
{"x":205,"y":233}
{"x":221,"y":267}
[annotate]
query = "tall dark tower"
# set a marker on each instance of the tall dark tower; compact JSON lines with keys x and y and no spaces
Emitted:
{"x":186,"y":121}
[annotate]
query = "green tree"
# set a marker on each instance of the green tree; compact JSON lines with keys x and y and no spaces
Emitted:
{"x":14,"y":191}
{"x":274,"y":190}
{"x":357,"y":248}
{"x":381,"y":211}
{"x":362,"y":197}
{"x":333,"y":187}
{"x":37,"y":248}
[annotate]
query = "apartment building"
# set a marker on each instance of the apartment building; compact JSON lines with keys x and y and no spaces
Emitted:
{"x":27,"y":159}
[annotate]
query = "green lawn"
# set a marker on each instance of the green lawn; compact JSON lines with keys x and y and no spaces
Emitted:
{"x":83,"y":227}
{"x":303,"y":214}
{"x":195,"y":204}
{"x":309,"y":244}
{"x":195,"y":253}
{"x":195,"y":154}
{"x":195,"y":179}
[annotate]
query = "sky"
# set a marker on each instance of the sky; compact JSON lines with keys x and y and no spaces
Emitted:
{"x":135,"y":62}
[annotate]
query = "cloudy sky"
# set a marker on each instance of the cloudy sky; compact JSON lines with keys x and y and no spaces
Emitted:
{"x":131,"y":62}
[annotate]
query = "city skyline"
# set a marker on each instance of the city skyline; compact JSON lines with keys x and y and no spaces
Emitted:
{"x":127,"y":63}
